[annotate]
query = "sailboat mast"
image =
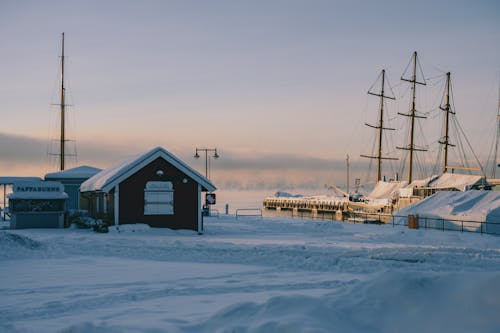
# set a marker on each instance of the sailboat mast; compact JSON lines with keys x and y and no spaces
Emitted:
{"x":63,"y":104}
{"x":495,"y":163}
{"x":380,"y":127}
{"x":347,"y":179}
{"x":412,"y":116}
{"x":447,"y":109}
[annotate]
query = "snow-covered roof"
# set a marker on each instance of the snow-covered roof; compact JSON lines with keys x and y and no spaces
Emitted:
{"x":81,"y":172}
{"x":41,"y":195}
{"x":13,"y":180}
{"x":456,"y":181}
{"x":467,"y":206}
{"x":109,"y":178}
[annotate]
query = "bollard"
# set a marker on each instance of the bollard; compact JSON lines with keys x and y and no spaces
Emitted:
{"x":227,"y":209}
{"x":412,"y":221}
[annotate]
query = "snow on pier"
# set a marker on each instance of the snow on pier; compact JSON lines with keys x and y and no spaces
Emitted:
{"x":312,"y":203}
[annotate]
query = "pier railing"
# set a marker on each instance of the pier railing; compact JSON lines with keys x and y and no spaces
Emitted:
{"x":248,"y":212}
{"x":419,"y":222}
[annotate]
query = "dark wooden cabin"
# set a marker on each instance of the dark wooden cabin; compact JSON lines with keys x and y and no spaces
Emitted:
{"x":155,"y":188}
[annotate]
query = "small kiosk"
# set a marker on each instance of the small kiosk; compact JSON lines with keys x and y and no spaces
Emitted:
{"x":37,"y":205}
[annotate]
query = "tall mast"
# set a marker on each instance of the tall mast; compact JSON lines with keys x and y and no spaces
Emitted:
{"x":347,"y":180}
{"x":446,"y":108}
{"x":62,"y":138}
{"x":380,"y":127}
{"x":495,"y":163}
{"x":412,"y":116}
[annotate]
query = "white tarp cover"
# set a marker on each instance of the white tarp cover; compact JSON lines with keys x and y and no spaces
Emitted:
{"x":386,"y":190}
{"x":456,"y":181}
{"x":480,"y":206}
{"x":422,"y":182}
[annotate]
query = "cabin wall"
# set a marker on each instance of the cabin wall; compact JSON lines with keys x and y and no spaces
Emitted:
{"x":186,"y":206}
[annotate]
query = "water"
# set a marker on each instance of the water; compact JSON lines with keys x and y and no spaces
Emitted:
{"x":248,"y":199}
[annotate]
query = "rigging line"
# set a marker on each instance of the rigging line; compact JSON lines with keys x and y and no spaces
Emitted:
{"x":389,"y":85}
{"x":440,"y":76}
{"x":376,"y":81}
{"x":436,"y":167}
{"x":437,"y":69}
{"x":461,"y":154}
{"x":405,"y":92}
{"x":407,"y":66}
{"x":397,"y":85}
{"x":470,"y":147}
{"x":491,"y":151}
{"x":51,"y":125}
{"x":421,"y":70}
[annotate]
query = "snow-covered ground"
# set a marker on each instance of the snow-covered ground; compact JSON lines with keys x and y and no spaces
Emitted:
{"x":250,"y":275}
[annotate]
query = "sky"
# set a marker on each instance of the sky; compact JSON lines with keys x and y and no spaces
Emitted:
{"x":278,"y":87}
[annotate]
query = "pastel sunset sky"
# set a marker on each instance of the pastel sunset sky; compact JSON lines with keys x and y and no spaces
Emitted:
{"x":279,"y":87}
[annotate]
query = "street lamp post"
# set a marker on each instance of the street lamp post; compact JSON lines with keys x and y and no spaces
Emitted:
{"x":206,"y":209}
{"x":206,"y":150}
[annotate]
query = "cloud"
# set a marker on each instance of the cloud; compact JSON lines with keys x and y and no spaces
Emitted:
{"x":277,"y":161}
{"x":27,"y":156}
{"x":24,"y":155}
{"x":16,"y":148}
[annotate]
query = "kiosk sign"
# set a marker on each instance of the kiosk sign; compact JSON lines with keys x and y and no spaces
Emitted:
{"x":210,"y":199}
{"x":38,"y":187}
{"x":38,"y":190}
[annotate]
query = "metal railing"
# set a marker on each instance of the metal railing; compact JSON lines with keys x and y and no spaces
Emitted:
{"x":443,"y":224}
{"x":248,"y":212}
{"x":424,"y":222}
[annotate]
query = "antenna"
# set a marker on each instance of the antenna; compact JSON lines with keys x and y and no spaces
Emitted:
{"x":380,"y":127}
{"x":413,"y":114}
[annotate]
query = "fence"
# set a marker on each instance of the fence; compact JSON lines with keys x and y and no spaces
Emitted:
{"x":248,"y":212}
{"x":423,"y":222}
{"x":450,"y":224}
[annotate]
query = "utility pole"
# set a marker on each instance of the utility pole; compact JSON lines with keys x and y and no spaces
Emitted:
{"x":380,"y":127}
{"x":413,"y":115}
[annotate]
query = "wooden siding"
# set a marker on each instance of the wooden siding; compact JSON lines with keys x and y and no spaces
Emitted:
{"x":131,"y":197}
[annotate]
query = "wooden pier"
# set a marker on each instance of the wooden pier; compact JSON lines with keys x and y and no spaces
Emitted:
{"x":341,"y":209}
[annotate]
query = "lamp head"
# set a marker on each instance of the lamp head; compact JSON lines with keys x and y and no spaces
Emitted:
{"x":196,"y":155}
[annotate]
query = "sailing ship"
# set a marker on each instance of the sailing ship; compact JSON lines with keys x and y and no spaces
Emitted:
{"x":389,"y":196}
{"x":393,"y":195}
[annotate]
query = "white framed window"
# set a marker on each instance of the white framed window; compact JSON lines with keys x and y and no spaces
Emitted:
{"x":159,"y":198}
